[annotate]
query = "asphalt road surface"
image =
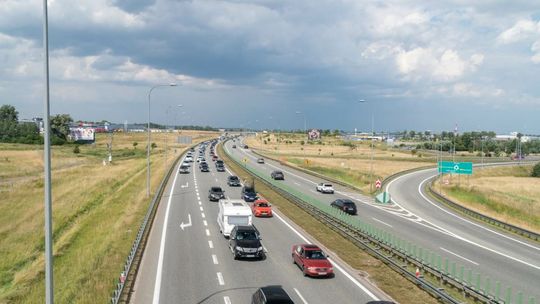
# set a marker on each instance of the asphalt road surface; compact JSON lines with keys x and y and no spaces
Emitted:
{"x":195,"y":265}
{"x":496,"y":255}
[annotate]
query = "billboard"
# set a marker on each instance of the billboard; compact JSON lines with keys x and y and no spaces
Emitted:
{"x":314,"y":134}
{"x":82,"y":134}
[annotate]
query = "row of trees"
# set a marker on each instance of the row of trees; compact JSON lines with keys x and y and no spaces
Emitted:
{"x":488,"y":146}
{"x":13,"y":131}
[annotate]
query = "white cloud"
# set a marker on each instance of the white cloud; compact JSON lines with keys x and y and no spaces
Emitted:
{"x":477,"y":91}
{"x":521,"y":30}
{"x":439,"y":65}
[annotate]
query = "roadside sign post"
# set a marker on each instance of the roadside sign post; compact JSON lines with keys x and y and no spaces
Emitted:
{"x":465,"y":168}
{"x":378,"y":184}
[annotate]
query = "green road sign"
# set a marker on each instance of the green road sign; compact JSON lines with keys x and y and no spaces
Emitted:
{"x":457,"y":168}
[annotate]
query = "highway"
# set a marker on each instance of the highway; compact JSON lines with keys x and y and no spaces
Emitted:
{"x":497,"y":255}
{"x":187,"y":260}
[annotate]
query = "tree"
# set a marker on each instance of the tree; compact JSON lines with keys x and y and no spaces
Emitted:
{"x":60,"y":125}
{"x":536,"y":170}
{"x":8,"y":113}
{"x":135,"y":145}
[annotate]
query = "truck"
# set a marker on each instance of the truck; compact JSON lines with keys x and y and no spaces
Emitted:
{"x":233,"y":212}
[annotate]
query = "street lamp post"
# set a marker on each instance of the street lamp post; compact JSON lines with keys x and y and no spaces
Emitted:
{"x":305,"y":128}
{"x":371,"y":157}
{"x":148,"y":144}
{"x":167,"y":136}
{"x":49,"y":288}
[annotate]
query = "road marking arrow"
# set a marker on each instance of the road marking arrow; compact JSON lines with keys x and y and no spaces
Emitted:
{"x":185,"y":186}
{"x":182,"y":225}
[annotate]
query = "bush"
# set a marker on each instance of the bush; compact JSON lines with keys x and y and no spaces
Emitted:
{"x":76,"y":150}
{"x":536,"y":170}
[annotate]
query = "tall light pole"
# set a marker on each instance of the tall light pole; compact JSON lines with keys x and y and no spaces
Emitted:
{"x":372,"y":138}
{"x":167,"y":136}
{"x":49,"y":287}
{"x":148,"y":144}
{"x":305,"y":129}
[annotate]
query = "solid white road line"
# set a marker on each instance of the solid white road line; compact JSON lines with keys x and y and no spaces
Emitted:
{"x":220,"y":279}
{"x":459,"y":256}
{"x":382,"y":222}
{"x":210,"y":244}
{"x":473,"y":223}
{"x":207,"y":232}
{"x":300,"y":296}
{"x":226,"y":300}
{"x":214,"y":259}
{"x":157,"y":286}
{"x":353,"y":280}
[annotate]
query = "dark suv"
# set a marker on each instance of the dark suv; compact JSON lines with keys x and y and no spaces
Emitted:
{"x":245,"y":242}
{"x":249,"y":194}
{"x":271,"y":294}
{"x":277,"y":175}
{"x":233,"y":181}
{"x":345,"y":205}
{"x":215,"y":194}
{"x":204,"y":167}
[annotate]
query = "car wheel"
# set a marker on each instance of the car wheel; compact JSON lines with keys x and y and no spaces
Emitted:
{"x":304,"y":271}
{"x":293,"y":261}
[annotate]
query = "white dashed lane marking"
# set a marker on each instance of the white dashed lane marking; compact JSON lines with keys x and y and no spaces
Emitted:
{"x":210,"y":244}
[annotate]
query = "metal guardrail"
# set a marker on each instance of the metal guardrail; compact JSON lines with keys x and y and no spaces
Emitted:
{"x":127,"y":277}
{"x":474,"y":214}
{"x":398,"y":253}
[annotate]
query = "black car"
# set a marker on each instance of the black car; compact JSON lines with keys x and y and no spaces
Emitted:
{"x":249,"y":194}
{"x":234,"y":146}
{"x":245,"y":242}
{"x":345,"y":205}
{"x":260,"y":161}
{"x":277,"y":175}
{"x":204,"y":167}
{"x":215,"y":194}
{"x":233,"y":181}
{"x":271,"y":294}
{"x":220,"y":168}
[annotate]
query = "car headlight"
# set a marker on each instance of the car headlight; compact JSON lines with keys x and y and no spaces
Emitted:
{"x":311,"y":268}
{"x":239,"y":248}
{"x":330,"y":268}
{"x":260,"y":248}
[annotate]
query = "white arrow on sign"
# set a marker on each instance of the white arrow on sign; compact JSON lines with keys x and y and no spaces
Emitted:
{"x":185,"y":186}
{"x":188,"y":224}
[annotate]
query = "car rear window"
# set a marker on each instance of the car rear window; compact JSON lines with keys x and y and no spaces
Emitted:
{"x":216,"y":189}
{"x":328,"y":185}
{"x":349,"y":204}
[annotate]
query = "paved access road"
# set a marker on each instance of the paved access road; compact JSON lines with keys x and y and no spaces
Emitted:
{"x":498,"y":256}
{"x":195,"y":265}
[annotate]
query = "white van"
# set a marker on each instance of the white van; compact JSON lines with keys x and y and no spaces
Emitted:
{"x":233,"y":212}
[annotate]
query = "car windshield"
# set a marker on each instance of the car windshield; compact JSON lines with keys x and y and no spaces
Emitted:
{"x":262,"y":204}
{"x":233,"y":178}
{"x":349,"y":204}
{"x":247,"y":235}
{"x":315,"y":255}
{"x":327,"y":185}
{"x":216,"y":189}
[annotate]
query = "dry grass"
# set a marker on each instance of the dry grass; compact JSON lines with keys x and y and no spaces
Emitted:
{"x":333,"y":159}
{"x":377,"y":272}
{"x":96,"y":212}
{"x":505,"y":193}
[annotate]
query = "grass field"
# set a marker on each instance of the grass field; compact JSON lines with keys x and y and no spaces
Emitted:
{"x":97,"y":210}
{"x":505,"y":193}
{"x":350,"y":163}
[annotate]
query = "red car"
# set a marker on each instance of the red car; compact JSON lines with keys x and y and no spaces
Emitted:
{"x":261,"y":208}
{"x":312,"y":260}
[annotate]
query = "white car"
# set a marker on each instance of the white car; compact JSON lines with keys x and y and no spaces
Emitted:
{"x":200,"y":159}
{"x":325,"y":188}
{"x":188,"y":159}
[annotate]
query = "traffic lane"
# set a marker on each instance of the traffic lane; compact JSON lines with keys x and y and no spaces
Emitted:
{"x":500,"y":241}
{"x":143,"y":289}
{"x":189,"y":274}
{"x":278,"y":240}
{"x":460,"y":244}
{"x":240,"y":278}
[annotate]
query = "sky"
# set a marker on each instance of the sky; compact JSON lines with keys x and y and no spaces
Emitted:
{"x":418,"y":65}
